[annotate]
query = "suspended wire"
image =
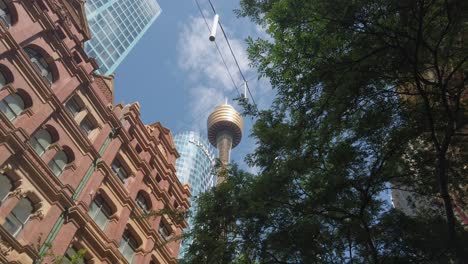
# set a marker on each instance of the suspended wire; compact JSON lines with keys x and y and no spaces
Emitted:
{"x":250,"y":79}
{"x":208,"y":109}
{"x":225,"y":65}
{"x":219,"y":51}
{"x":234,"y":56}
{"x":204,"y":114}
{"x":195,"y":119}
{"x":212,"y":7}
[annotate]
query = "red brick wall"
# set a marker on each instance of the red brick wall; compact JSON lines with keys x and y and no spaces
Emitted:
{"x":52,"y":196}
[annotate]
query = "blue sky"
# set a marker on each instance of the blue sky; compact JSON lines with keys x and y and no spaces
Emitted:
{"x":177,"y":76}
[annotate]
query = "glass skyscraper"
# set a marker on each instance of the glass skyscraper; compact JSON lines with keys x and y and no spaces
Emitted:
{"x":116,"y":26}
{"x":195,"y":167}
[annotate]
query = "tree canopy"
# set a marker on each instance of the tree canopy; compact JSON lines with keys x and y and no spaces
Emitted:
{"x":370,"y":97}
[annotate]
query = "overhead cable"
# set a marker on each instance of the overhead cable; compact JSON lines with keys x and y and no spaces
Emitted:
{"x":219,"y":51}
{"x":233,"y":55}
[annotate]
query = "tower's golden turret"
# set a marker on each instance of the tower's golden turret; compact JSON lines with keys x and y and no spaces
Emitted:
{"x":224,"y":132}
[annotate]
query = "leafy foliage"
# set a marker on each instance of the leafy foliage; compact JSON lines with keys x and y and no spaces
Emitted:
{"x":53,"y":258}
{"x":370,"y":97}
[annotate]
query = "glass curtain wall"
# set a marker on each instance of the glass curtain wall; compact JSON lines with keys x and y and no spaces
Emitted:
{"x":116,"y":27}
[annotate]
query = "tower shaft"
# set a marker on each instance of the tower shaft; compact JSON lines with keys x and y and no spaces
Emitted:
{"x":224,"y":145}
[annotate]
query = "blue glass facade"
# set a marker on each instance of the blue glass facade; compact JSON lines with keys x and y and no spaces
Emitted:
{"x":116,"y":26}
{"x":195,"y":167}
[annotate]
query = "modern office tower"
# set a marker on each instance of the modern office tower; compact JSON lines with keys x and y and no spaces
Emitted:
{"x":224,"y":132}
{"x":116,"y":26}
{"x":196,"y":162}
{"x":195,"y":166}
{"x":77,"y":171}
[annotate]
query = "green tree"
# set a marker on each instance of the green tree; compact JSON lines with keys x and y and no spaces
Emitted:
{"x":370,"y":95}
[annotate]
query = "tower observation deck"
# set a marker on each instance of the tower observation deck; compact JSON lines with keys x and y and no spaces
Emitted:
{"x":224,"y":132}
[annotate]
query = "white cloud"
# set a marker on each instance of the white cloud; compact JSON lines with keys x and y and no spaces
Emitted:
{"x":205,"y":100}
{"x":210,"y":83}
{"x":199,"y":58}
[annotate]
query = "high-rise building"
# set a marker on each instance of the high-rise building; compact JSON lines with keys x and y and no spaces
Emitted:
{"x":78,"y":173}
{"x":195,"y":166}
{"x":116,"y":26}
{"x":196,"y":162}
{"x":224,"y":132}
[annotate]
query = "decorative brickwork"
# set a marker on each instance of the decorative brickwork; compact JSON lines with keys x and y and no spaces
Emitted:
{"x":62,"y":192}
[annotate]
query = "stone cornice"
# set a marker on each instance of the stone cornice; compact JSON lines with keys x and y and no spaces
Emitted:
{"x":132,"y":115}
{"x":155,"y":153}
{"x":48,"y":24}
{"x":123,"y":194}
{"x":167,"y":138}
{"x":57,"y":190}
{"x":75,"y":132}
{"x":10,"y":243}
{"x":78,"y":15}
{"x":93,"y":233}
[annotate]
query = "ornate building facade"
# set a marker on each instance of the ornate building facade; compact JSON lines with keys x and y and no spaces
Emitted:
{"x":77,"y":173}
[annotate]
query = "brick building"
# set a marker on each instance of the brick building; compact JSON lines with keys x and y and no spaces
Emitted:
{"x":76,"y":171}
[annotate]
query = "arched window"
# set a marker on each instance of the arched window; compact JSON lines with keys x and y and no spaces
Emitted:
{"x":5,"y":187}
{"x":5,"y":16}
{"x":12,"y":106}
{"x":41,"y":141}
{"x":142,"y":202}
{"x":100,"y":212}
{"x":41,"y":65}
{"x":18,"y":217}
{"x":128,"y":246}
{"x":58,"y":163}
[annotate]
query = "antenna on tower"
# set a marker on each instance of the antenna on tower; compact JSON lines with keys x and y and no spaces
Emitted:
{"x":225,"y":100}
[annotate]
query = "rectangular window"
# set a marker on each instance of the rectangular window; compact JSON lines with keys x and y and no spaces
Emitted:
{"x":73,"y":107}
{"x":141,"y":201}
{"x":87,"y":126}
{"x":12,"y":224}
{"x":6,"y":110}
{"x":55,"y":168}
{"x":119,"y":170}
{"x":5,"y":187}
{"x":18,"y":217}
{"x":128,"y":246}
{"x":164,"y":231}
{"x":100,"y":212}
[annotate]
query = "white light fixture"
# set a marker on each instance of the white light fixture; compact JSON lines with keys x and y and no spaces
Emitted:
{"x":214,"y":28}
